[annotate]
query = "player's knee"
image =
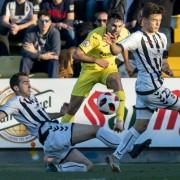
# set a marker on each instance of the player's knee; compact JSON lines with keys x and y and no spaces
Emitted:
{"x":140,"y":127}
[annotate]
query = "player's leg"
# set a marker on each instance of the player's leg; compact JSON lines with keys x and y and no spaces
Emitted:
{"x":130,"y":138}
{"x":84,"y":132}
{"x":81,"y":89}
{"x":127,"y":145}
{"x":76,"y":161}
{"x":75,"y":103}
{"x":143,"y":114}
{"x":114,"y":82}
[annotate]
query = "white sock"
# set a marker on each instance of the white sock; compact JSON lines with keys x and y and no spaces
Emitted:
{"x":72,"y":167}
{"x":109,"y":138}
{"x":127,"y":143}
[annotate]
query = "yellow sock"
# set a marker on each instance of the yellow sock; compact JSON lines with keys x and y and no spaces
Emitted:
{"x":121,"y":109}
{"x":67,"y":118}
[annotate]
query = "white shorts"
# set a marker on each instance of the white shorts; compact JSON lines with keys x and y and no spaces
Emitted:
{"x":162,"y":98}
{"x":59,"y":141}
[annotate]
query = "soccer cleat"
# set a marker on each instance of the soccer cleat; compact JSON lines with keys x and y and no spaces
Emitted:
{"x":114,"y":163}
{"x":50,"y":167}
{"x":138,"y":148}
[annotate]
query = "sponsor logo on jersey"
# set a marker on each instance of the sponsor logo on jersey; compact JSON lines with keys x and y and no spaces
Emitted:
{"x":85,"y":43}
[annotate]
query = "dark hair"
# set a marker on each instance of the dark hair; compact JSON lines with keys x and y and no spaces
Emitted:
{"x":152,"y":8}
{"x":44,"y":13}
{"x":14,"y":80}
{"x":115,"y":15}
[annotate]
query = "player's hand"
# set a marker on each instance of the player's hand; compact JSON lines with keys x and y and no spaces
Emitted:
{"x":64,"y":108}
{"x":166,"y":69}
{"x":103,"y":63}
{"x":119,"y":126}
{"x":169,"y":72}
{"x":109,"y":38}
{"x":129,"y":69}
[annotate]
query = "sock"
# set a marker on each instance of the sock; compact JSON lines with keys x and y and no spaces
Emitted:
{"x":121,"y":108}
{"x":67,"y":118}
{"x":72,"y":167}
{"x":109,"y":138}
{"x":127,"y":143}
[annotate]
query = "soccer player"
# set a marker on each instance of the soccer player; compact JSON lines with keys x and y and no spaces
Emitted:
{"x":57,"y":139}
{"x":98,"y":66}
{"x":150,"y":46}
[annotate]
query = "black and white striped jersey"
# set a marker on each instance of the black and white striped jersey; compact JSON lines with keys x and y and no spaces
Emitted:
{"x":149,"y":50}
{"x":27,"y":111}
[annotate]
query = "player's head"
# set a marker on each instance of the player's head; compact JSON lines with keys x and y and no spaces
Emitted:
{"x":115,"y":24}
{"x":20,"y":84}
{"x":151,"y":17}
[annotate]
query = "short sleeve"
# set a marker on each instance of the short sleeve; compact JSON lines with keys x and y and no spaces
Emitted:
{"x":10,"y":107}
{"x":90,"y":42}
{"x":131,"y":42}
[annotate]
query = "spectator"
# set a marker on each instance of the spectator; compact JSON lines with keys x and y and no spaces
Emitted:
{"x":18,"y":15}
{"x":101,"y":19}
{"x":62,"y":14}
{"x":2,"y":2}
{"x":91,"y":8}
{"x":117,"y":6}
{"x":3,"y":39}
{"x":41,"y":48}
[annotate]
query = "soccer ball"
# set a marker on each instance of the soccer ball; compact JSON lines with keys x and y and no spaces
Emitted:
{"x":107,"y":103}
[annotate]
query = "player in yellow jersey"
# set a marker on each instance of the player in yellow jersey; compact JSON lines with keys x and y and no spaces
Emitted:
{"x":98,"y":66}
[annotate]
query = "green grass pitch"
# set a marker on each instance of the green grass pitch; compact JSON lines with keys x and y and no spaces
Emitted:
{"x":130,"y":171}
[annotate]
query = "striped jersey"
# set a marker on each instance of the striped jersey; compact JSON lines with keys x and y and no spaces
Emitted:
{"x":19,"y":13}
{"x":149,"y":50}
{"x":27,"y":111}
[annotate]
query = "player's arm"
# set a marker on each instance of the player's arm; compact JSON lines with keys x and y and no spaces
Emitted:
{"x":115,"y":48}
{"x":83,"y":57}
{"x":166,"y":68}
{"x":55,"y":115}
{"x":128,"y":66}
{"x":63,"y":110}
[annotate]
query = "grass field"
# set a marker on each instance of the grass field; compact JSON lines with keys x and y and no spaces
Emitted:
{"x":138,"y":171}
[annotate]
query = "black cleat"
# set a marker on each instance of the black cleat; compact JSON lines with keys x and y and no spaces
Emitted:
{"x":138,"y":148}
{"x":51,"y":168}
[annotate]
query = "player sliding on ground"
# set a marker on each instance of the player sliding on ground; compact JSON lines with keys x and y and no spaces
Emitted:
{"x":150,"y":46}
{"x":57,"y":139}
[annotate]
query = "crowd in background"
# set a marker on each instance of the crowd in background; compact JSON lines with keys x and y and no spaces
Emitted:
{"x":25,"y":22}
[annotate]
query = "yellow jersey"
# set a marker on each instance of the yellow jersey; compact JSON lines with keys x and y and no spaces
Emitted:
{"x":94,"y":46}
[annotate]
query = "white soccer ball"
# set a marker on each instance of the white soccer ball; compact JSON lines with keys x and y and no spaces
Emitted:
{"x":107,"y":103}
